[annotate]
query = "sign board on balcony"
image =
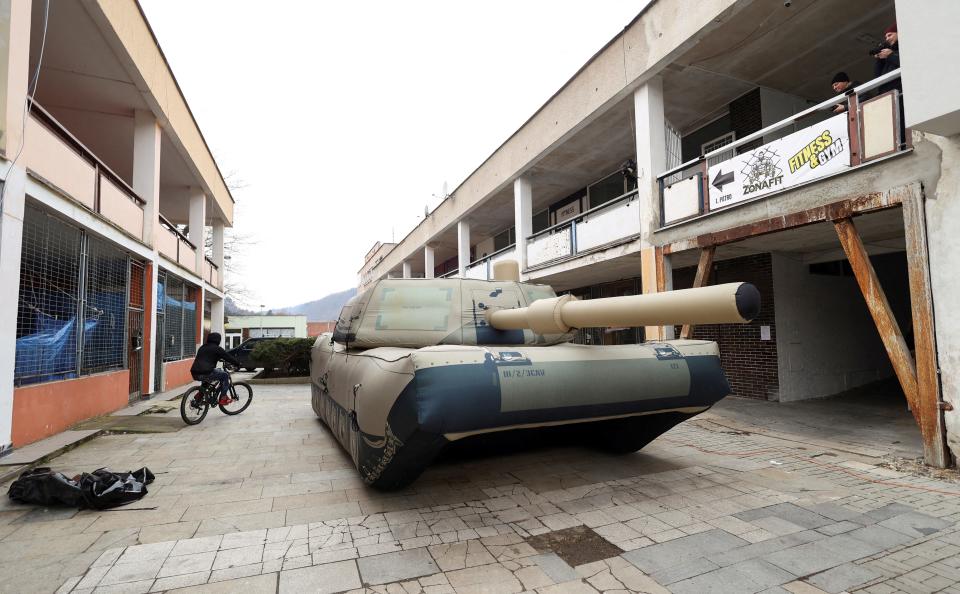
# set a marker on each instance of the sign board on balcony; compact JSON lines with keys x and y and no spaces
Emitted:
{"x":567,"y":212}
{"x":811,"y":153}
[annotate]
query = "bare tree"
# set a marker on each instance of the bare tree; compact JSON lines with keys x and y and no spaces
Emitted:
{"x":235,"y":246}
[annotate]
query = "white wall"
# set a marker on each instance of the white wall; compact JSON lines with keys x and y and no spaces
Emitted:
{"x":484,"y":247}
{"x":943,"y":214}
{"x":776,"y":106}
{"x":928,"y":38}
{"x":826,"y":341}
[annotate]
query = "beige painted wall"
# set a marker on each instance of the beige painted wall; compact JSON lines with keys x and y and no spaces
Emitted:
{"x":145,"y":62}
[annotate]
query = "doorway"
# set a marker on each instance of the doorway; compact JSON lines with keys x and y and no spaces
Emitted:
{"x":135,"y":315}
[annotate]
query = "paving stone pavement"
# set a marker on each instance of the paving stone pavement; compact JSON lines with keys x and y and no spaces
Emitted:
{"x":268,"y":502}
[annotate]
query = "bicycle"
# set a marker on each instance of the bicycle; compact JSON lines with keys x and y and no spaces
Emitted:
{"x":196,"y":401}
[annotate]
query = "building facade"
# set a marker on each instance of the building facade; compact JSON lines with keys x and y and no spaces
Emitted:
{"x":113,"y":214}
{"x":240,"y":328}
{"x":704,"y":143}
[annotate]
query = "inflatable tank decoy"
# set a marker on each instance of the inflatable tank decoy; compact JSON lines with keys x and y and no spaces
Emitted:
{"x":414,"y":364}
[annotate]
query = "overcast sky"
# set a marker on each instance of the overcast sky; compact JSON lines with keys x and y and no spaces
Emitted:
{"x":344,"y":119}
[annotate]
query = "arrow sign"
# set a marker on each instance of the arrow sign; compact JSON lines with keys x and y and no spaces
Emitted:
{"x":722,"y":179}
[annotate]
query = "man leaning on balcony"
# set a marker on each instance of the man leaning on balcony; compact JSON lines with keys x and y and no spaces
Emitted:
{"x":888,"y":59}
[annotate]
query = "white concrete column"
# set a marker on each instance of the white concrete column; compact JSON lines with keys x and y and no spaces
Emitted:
{"x":651,"y":161}
{"x":463,"y":246}
{"x":146,"y":170}
{"x":428,"y":265}
{"x":11,"y":244}
{"x":407,"y":269}
{"x":523,"y":218}
{"x":217,"y":315}
{"x":146,"y":183}
{"x":651,"y":153}
{"x":197,"y":225}
{"x":217,"y":252}
{"x":13,"y":103}
{"x":17,"y":42}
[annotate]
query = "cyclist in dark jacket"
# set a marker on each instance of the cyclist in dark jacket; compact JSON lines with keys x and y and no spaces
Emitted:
{"x":204,"y":368}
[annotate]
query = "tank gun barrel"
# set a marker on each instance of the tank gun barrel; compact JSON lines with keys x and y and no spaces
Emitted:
{"x":731,"y":303}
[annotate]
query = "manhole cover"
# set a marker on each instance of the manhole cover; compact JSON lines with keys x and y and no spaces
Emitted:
{"x":576,"y":546}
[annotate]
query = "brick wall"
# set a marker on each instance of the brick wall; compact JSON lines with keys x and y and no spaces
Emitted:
{"x":750,"y":363}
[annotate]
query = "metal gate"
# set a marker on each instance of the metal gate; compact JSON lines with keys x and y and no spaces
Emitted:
{"x":135,"y":315}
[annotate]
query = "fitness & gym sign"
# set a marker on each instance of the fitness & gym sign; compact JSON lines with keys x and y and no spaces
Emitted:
{"x":811,"y":153}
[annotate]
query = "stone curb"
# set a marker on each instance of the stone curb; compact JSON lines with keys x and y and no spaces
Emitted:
{"x":279,"y":381}
{"x":15,"y":471}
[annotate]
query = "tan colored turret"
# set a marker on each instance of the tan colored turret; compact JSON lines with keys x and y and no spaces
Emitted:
{"x":731,"y":303}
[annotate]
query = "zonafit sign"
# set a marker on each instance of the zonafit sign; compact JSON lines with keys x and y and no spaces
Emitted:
{"x":803,"y":156}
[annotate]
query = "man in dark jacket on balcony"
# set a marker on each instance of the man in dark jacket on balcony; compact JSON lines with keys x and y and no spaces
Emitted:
{"x":204,"y":368}
{"x":888,"y":59}
{"x":840,"y":84}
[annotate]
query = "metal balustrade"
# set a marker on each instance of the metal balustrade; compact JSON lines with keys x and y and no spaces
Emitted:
{"x":53,"y":155}
{"x":871,"y":126}
{"x":609,"y":223}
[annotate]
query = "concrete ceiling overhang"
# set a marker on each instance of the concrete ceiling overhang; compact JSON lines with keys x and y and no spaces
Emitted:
{"x":596,"y":150}
{"x":795,"y":49}
{"x":881,"y":233}
{"x":87,"y":89}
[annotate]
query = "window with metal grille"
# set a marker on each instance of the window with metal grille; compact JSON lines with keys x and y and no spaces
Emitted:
{"x":105,"y":306}
{"x":179,"y":318}
{"x":49,"y":304}
{"x":716,"y":143}
{"x":71,"y":313}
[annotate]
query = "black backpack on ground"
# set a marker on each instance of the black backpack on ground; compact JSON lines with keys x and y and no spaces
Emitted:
{"x":104,"y":488}
{"x":42,"y":486}
{"x":101,"y":489}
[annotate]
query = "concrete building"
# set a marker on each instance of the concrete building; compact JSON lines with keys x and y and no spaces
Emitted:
{"x":240,"y":328}
{"x":700,"y":145}
{"x":110,"y":198}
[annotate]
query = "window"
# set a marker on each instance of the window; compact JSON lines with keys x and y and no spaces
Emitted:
{"x":72,"y":307}
{"x":608,"y":188}
{"x":541,"y":220}
{"x":504,"y":239}
{"x":177,"y":323}
{"x":674,"y":152}
{"x":716,"y":143}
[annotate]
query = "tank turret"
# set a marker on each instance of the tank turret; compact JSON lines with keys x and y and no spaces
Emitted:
{"x":416,"y":313}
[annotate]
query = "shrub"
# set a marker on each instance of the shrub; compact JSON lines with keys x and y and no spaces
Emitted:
{"x":284,"y":356}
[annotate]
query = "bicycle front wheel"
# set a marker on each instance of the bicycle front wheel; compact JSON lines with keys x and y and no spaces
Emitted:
{"x":241,"y":395}
{"x":192,"y":406}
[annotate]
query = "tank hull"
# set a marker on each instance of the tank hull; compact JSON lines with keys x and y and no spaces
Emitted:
{"x":395,"y":409}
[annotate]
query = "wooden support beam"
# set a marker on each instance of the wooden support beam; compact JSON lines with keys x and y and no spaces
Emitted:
{"x":880,"y":310}
{"x":935,"y":451}
{"x":702,"y":279}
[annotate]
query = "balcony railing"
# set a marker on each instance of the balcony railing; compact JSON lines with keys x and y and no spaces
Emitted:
{"x":868,"y":130}
{"x":482,"y":269}
{"x":173,"y":244}
{"x":609,"y":223}
{"x":212,"y":274}
{"x":52,"y":154}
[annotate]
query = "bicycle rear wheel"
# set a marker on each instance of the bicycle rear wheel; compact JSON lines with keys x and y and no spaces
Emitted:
{"x":192,"y":406}
{"x":241,"y":395}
